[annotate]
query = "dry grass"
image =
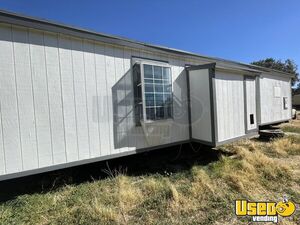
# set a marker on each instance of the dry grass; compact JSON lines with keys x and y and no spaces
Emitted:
{"x":293,"y":126}
{"x":201,"y":195}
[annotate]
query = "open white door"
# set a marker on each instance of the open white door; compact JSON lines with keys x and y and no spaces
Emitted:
{"x":200,"y":95}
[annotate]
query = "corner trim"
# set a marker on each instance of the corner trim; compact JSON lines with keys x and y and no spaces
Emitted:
{"x":189,"y":103}
{"x":213,"y":105}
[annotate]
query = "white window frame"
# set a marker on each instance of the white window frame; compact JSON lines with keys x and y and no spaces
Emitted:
{"x":142,"y":62}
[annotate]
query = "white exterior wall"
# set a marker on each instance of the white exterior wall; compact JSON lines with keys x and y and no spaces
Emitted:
{"x":66,"y":99}
{"x":271,"y":103}
{"x":200,"y":104}
{"x":229,"y":105}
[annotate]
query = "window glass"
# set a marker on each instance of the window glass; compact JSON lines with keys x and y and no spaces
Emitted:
{"x":159,"y":99}
{"x":150,"y":112}
{"x":149,"y":99}
{"x":157,"y":72}
{"x":159,"y":88}
{"x":158,"y":81}
{"x":167,"y":97}
{"x":149,"y":87}
{"x":160,"y":113}
{"x":148,"y":72}
{"x":158,"y":92}
{"x":149,"y":81}
{"x":167,"y":88}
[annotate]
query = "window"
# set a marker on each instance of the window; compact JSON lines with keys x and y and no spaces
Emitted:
{"x":285,"y":103}
{"x":153,"y":91}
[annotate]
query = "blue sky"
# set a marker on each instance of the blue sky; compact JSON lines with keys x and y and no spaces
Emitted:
{"x":232,"y":29}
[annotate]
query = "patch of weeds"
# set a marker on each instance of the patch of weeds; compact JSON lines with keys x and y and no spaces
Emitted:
{"x":292,"y":129}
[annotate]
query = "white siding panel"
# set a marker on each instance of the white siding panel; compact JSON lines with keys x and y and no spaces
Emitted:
{"x":219,"y":102}
{"x":119,"y":106}
{"x":92,"y":93}
{"x":25,"y":99}
{"x":230,"y":105}
{"x":55,"y":98}
{"x":102,"y":99}
{"x":2,"y":153}
{"x":80,"y":99}
{"x":230,"y":108}
{"x":63,"y":93}
{"x":68,"y":98}
{"x":41,"y":99}
{"x":271,"y":105}
{"x":9,"y":109}
{"x":111,"y":78}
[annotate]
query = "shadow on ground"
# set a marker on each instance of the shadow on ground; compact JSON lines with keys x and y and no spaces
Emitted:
{"x":163,"y":161}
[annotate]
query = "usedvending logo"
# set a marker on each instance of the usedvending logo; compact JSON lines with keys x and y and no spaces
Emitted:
{"x":265,"y":211}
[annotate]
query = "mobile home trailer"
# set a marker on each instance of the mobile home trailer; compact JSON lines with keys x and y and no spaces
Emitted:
{"x":70,"y":96}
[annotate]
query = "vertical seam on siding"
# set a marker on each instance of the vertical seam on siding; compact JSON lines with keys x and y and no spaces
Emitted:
{"x":17,"y":98}
{"x":106,"y":94}
{"x":62,"y":100}
{"x":99,"y":131}
{"x":76,"y":123}
{"x":49,"y":111}
{"x":33,"y":99}
{"x":3,"y":146}
{"x":105,"y":57}
{"x":115,"y":80}
{"x":86,"y":100}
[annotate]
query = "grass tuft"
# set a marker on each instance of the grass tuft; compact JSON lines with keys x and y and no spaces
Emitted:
{"x":291,"y":129}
